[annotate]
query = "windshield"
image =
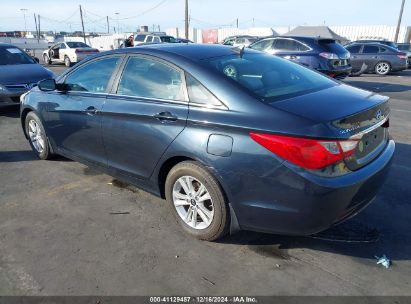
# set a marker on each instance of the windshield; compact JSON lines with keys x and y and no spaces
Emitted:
{"x":269,"y":77}
{"x":12,"y":55}
{"x":77,"y":45}
{"x":140,"y":38}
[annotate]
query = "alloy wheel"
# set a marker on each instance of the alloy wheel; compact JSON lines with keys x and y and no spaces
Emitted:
{"x":193,"y":202}
{"x":382,"y":68}
{"x":36,"y":136}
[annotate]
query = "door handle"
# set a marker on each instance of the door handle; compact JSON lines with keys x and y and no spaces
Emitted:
{"x":91,"y":111}
{"x":165,"y":116}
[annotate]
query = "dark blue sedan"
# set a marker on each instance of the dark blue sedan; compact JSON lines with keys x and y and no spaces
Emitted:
{"x":233,"y":139}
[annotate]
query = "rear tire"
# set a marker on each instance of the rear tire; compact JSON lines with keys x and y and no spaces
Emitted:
{"x":382,"y":68}
{"x":37,"y":136}
{"x":197,"y":201}
{"x":67,"y":62}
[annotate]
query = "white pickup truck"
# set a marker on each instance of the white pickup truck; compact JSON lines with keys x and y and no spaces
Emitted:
{"x":69,"y":52}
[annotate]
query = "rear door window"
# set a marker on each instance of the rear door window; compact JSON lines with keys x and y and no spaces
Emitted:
{"x":149,"y":78}
{"x":284,"y":45}
{"x":262,"y":45}
{"x":370,"y":49}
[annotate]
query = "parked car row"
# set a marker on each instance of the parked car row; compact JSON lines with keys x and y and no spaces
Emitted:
{"x":330,"y":57}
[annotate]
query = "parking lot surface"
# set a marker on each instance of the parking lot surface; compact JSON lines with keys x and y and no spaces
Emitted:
{"x":68,"y":230}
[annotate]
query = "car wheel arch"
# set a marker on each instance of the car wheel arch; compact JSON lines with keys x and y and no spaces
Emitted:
{"x":23,"y":116}
{"x":165,"y":168}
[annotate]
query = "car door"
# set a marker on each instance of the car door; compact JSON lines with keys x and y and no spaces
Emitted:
{"x":62,"y":51}
{"x":370,"y":54}
{"x":74,"y":120}
{"x":144,"y":113}
{"x":355,"y":59}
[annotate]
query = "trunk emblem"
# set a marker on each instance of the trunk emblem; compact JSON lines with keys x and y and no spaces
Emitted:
{"x":378,"y":115}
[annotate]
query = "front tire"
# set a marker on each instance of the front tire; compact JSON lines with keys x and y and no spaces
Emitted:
{"x":46,"y":59}
{"x":37,"y":136}
{"x":197,"y":201}
{"x":67,"y":62}
{"x":382,"y":68}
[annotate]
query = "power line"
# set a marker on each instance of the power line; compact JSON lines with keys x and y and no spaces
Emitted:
{"x":146,"y":11}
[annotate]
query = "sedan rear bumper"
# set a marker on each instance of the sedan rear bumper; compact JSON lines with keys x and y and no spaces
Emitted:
{"x":301,"y":203}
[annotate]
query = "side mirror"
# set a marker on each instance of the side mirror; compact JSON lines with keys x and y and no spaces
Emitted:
{"x":36,"y":59}
{"x":47,"y":85}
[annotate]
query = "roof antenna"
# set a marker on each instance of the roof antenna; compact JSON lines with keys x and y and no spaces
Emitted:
{"x":239,"y":50}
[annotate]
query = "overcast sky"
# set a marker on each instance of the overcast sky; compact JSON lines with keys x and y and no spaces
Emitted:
{"x":64,"y":15}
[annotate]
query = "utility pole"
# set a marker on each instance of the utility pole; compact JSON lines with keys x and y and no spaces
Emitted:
{"x":24,"y":10}
{"x":37,"y":29}
{"x":108,"y":26}
{"x":82,"y":24}
{"x":38,"y":17}
{"x":118,"y":23}
{"x":237,"y":22}
{"x":186,"y":19}
{"x":399,"y":21}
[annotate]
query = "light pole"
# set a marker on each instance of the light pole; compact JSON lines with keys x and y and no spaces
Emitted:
{"x":118,"y":23}
{"x":24,"y":10}
{"x":397,"y":31}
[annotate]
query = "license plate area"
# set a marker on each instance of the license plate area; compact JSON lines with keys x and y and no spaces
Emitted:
{"x":369,"y":147}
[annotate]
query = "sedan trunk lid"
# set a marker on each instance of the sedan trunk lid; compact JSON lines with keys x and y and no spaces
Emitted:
{"x":349,"y":113}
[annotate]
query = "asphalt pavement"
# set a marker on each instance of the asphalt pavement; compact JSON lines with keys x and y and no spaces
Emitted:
{"x":66,"y":229}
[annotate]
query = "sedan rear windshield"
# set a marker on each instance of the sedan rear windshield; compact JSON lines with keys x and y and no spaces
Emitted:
{"x":77,"y":45}
{"x":12,"y":55}
{"x":404,"y":47}
{"x":331,"y":46}
{"x":268,"y":77}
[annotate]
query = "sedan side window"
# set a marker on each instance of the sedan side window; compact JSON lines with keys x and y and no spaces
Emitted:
{"x":198,"y":94}
{"x":93,"y":77}
{"x":355,"y":49}
{"x":143,"y":77}
{"x":62,"y":46}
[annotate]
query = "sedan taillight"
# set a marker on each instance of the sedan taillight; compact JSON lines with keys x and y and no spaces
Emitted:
{"x":329,"y":55}
{"x":305,"y":152}
{"x":402,"y":56}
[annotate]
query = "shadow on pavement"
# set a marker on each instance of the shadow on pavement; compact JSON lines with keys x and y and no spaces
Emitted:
{"x":388,"y":215}
{"x":17,"y":156}
{"x":12,"y":110}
